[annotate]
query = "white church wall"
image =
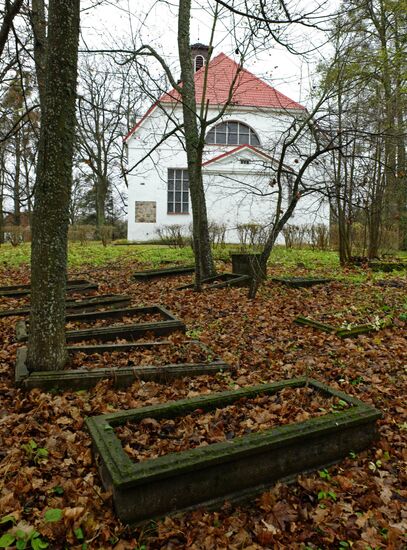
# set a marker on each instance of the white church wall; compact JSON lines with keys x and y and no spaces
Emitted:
{"x":230,"y":190}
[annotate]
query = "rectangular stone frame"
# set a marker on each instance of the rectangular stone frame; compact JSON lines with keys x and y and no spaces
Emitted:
{"x":165,"y":272}
{"x":232,"y":470}
{"x":134,"y":330}
{"x":301,"y":282}
{"x":75,"y":285}
{"x":387,"y":267}
{"x":339,"y":331}
{"x":107,"y":301}
{"x":226,"y":280}
{"x":78,"y":379}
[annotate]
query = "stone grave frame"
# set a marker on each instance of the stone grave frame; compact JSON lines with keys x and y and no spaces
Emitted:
{"x":222,"y":280}
{"x":107,"y":301}
{"x":135,"y":330}
{"x":209,"y":475}
{"x":78,"y":379}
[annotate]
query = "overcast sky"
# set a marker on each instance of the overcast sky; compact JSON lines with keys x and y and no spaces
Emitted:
{"x":155,"y":22}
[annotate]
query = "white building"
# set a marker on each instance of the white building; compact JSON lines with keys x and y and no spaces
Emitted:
{"x":239,"y":159}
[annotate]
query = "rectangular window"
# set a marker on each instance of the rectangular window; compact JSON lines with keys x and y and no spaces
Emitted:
{"x":178,"y":192}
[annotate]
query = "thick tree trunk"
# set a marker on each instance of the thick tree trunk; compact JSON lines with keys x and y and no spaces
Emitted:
{"x":46,"y":345}
{"x":194,"y":142}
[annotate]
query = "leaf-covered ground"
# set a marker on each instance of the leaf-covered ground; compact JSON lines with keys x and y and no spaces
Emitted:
{"x":49,"y":482}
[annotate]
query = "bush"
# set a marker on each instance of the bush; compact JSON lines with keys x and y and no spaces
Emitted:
{"x":172,"y":235}
{"x":106,"y":234}
{"x":319,"y":236}
{"x":217,"y":233}
{"x":16,"y":234}
{"x":316,"y":235}
{"x":294,"y":235}
{"x":251,"y":235}
{"x":81,"y":233}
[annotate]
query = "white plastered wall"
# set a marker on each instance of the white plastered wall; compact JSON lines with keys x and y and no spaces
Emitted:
{"x":236,"y":193}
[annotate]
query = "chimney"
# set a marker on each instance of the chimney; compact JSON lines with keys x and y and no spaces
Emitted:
{"x":199,"y":54}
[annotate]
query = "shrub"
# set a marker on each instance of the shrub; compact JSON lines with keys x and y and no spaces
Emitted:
{"x":319,"y":236}
{"x":14,"y":234}
{"x":81,"y":233}
{"x":250,"y":235}
{"x":106,"y":234}
{"x":172,"y":235}
{"x":294,"y":235}
{"x":217,"y":233}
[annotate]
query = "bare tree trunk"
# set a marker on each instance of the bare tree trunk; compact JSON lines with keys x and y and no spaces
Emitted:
{"x":39,"y":27}
{"x":10,"y":12}
{"x":194,"y":142}
{"x":16,"y":183}
{"x":46,"y":344}
{"x":101,"y":188}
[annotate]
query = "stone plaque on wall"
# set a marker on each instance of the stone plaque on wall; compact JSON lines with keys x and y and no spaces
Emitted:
{"x":146,"y":211}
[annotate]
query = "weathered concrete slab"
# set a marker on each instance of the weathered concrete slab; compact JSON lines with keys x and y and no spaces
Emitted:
{"x":75,"y":285}
{"x":165,"y":272}
{"x":301,"y":282}
{"x":106,"y":301}
{"x":85,"y":378}
{"x":168,"y":325}
{"x":340,"y":331}
{"x":222,"y":280}
{"x":231,"y":470}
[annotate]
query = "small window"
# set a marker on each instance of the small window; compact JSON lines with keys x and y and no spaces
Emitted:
{"x":178,"y":191}
{"x":232,"y":133}
{"x":199,"y":62}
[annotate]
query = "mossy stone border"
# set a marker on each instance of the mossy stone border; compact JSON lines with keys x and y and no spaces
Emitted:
{"x":339,"y":331}
{"x":108,"y":301}
{"x":301,"y":282}
{"x":165,"y":272}
{"x":387,"y":267}
{"x":74,"y":285}
{"x":78,"y":379}
{"x":136,"y":330}
{"x":225,"y":280}
{"x":230,"y":470}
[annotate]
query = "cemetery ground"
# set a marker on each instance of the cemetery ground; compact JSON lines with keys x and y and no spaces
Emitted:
{"x":50,"y":490}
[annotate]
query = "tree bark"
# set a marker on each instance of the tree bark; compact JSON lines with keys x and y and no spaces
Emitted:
{"x":10,"y":12}
{"x":39,"y":27}
{"x":194,"y":143}
{"x":46,"y":344}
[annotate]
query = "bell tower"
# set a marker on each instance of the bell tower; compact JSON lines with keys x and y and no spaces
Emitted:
{"x":199,"y":54}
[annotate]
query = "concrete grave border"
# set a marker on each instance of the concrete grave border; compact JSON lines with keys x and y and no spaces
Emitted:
{"x":339,"y":331}
{"x":232,"y":470}
{"x":108,"y":301}
{"x":135,"y":330}
{"x":76,"y":379}
{"x":165,"y":272}
{"x":74,"y":285}
{"x":226,"y":280}
{"x":301,"y":282}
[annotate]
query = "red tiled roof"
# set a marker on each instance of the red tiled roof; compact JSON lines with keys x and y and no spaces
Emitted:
{"x":249,"y":90}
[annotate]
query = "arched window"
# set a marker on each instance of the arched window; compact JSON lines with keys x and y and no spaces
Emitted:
{"x":199,"y":62}
{"x":232,"y":133}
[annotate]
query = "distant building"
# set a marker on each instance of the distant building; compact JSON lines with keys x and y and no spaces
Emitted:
{"x":238,"y":161}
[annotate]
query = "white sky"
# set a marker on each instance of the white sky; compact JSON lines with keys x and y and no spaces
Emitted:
{"x":155,"y":22}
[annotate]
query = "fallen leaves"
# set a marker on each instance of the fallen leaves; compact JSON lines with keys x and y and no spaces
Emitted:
{"x":259,"y":338}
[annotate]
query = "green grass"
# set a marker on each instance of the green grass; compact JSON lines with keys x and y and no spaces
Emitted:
{"x":286,"y":261}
